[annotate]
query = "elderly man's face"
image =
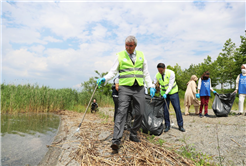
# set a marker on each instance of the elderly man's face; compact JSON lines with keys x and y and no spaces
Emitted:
{"x":161,"y":70}
{"x":242,"y":67}
{"x":130,"y":47}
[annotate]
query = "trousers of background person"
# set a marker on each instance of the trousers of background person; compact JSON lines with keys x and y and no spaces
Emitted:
{"x":174,"y":98}
{"x":241,"y":101}
{"x":204,"y":102}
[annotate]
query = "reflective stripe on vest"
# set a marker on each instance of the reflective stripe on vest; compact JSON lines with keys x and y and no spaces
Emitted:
{"x":128,"y":71}
{"x":165,"y":84}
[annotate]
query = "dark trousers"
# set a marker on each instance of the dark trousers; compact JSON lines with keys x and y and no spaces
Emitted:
{"x":174,"y":98}
{"x":129,"y":115}
{"x":204,"y":102}
{"x":127,"y":93}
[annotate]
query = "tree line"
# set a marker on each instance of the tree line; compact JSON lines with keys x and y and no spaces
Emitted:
{"x":224,"y":70}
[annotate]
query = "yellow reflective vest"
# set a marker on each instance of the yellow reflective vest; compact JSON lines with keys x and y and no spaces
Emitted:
{"x":130,"y":72}
{"x":165,"y":84}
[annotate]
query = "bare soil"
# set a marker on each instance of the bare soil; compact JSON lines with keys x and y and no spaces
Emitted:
{"x":224,"y":139}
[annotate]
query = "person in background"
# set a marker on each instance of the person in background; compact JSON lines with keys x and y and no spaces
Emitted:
{"x":115,"y":88}
{"x":241,"y":88}
{"x":94,"y":106}
{"x":204,"y":88}
{"x":133,"y":69}
{"x":190,"y":96}
{"x":169,"y":90}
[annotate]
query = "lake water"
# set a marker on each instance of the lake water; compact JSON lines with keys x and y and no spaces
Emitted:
{"x":24,"y":137}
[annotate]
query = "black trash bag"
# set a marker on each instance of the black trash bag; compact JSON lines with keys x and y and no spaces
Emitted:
{"x":222,"y":104}
{"x":152,"y":122}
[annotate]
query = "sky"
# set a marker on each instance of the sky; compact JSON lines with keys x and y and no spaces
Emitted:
{"x":60,"y":44}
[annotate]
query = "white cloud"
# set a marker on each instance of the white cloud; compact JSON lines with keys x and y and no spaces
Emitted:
{"x":172,"y":30}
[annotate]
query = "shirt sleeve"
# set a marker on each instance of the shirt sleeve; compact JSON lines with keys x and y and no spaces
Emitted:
{"x":171,"y":82}
{"x":116,"y":81}
{"x":147,"y":78}
{"x":155,"y":80}
{"x":113,"y":71}
{"x":237,"y":81}
{"x":211,"y":85}
{"x":199,"y":84}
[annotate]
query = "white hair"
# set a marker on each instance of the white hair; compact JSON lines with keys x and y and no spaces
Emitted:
{"x":131,"y":39}
{"x":244,"y":65}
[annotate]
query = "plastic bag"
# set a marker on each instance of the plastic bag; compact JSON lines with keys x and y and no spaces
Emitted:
{"x":152,"y":122}
{"x":223,"y":103}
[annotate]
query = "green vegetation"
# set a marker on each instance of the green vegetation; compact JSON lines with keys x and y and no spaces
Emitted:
{"x":32,"y":98}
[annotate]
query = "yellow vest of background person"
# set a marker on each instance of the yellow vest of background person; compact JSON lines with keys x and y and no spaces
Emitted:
{"x":164,"y":84}
{"x":129,"y":71}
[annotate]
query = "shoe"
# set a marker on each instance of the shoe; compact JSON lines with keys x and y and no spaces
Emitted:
{"x":239,"y":113}
{"x":200,"y":115}
{"x":181,"y":128}
{"x":206,"y":115}
{"x":134,"y":138}
{"x":115,"y":146}
{"x":167,"y":128}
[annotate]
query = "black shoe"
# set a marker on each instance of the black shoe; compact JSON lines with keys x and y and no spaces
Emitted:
{"x":167,"y":128}
{"x":115,"y":146}
{"x":181,"y":128}
{"x":134,"y":138}
{"x":200,"y":115}
{"x":206,"y":115}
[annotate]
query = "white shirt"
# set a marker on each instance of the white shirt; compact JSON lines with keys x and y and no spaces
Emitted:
{"x":115,"y":70}
{"x":171,"y":81}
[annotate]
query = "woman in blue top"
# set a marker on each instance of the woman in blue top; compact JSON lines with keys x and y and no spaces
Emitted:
{"x":241,"y":88}
{"x":204,"y":88}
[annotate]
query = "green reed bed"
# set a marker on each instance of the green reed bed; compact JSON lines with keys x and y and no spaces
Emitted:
{"x":35,"y":98}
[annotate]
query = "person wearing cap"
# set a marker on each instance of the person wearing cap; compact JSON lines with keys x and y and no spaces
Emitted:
{"x":169,"y":90}
{"x":241,"y":88}
{"x":204,"y":88}
{"x":133,"y":69}
{"x":190,"y":96}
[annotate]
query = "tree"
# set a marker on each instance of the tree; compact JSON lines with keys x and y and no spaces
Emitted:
{"x":225,"y":64}
{"x":240,"y":56}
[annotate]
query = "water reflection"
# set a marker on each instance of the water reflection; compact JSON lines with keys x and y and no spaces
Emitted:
{"x":25,"y":136}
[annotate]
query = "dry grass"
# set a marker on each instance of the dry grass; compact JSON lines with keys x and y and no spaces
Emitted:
{"x":90,"y":148}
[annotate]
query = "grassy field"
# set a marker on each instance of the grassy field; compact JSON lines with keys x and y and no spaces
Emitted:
{"x":33,"y":98}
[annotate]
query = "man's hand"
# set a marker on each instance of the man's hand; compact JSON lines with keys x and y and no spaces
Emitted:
{"x":100,"y":81}
{"x":235,"y":91}
{"x":152,"y":92}
{"x":214,"y":92}
{"x":165,"y":96}
{"x":198,"y":95}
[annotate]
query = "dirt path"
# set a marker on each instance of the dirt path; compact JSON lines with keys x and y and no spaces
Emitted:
{"x":91,"y":145}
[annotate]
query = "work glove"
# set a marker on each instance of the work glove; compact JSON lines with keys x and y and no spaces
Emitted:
{"x":100,"y":81}
{"x":165,"y":96}
{"x":152,"y":92}
{"x":214,"y":92}
{"x":198,"y":95}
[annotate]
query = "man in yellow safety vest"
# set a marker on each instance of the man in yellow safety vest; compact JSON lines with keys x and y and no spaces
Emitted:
{"x":169,"y":90}
{"x":133,"y":70}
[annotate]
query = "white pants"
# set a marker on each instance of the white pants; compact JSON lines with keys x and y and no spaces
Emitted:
{"x":241,"y":101}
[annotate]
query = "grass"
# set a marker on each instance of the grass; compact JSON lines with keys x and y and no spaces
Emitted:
{"x":34,"y":98}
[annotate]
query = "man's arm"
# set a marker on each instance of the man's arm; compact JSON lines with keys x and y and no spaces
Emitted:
{"x":113,"y":71}
{"x":146,"y":75}
{"x":171,"y":82}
